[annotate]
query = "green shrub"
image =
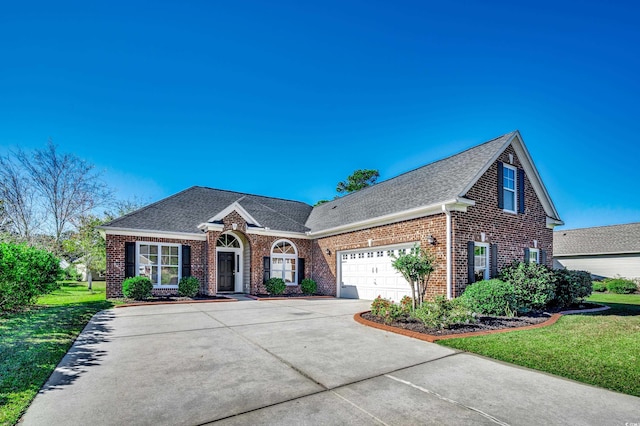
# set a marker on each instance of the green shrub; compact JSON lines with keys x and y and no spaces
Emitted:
{"x":406,"y":303}
{"x":443,"y":313}
{"x":620,"y":286}
{"x":599,"y":286}
{"x":71,"y":273}
{"x":188,"y":286}
{"x":491,"y":297}
{"x":308,"y":286}
{"x":25,"y":274}
{"x":571,"y":287}
{"x":275,"y":286}
{"x":534,"y":284}
{"x":386,"y":310}
{"x":138,"y":288}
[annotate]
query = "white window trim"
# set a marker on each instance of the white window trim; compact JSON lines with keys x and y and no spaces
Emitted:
{"x":487,"y":270}
{"x":537,"y":251}
{"x":285,"y":256}
{"x":515,"y":189}
{"x":160,"y":245}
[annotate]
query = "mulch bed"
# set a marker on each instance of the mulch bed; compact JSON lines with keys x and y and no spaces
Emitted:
{"x":484,"y":324}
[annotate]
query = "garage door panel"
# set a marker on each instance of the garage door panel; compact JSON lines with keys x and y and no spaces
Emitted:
{"x":367,"y":274}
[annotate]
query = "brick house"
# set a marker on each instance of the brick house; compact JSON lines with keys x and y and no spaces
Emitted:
{"x":476,"y":211}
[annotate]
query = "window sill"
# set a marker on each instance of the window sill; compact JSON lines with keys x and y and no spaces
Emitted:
{"x":510,"y":211}
{"x":291,"y":284}
{"x":168,"y":287}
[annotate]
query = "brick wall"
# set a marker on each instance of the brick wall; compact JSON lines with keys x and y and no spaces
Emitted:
{"x":415,"y":230}
{"x":512,"y":232}
{"x":116,"y":266}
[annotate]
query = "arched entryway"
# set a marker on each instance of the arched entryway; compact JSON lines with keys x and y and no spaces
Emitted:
{"x":232,"y":258}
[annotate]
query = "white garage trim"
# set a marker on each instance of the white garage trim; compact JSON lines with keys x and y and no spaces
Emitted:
{"x":339,"y":261}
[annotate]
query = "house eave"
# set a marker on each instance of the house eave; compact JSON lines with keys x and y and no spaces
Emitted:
{"x":458,"y":204}
{"x":149,"y":233}
{"x":256,"y":231}
{"x":552,"y":223}
{"x":610,"y":253}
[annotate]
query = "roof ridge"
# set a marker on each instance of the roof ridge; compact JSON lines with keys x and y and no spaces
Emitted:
{"x":278,"y":213}
{"x":417,"y":168}
{"x":599,"y":226}
{"x":141,"y":209}
{"x":251,"y":195}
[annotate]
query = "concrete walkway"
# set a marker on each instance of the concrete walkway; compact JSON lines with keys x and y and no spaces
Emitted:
{"x":295,"y":362}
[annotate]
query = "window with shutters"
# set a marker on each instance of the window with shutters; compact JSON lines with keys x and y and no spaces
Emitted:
{"x":284,"y":258}
{"x":534,"y":255}
{"x":159,"y":262}
{"x":481,"y":261}
{"x":509,"y":188}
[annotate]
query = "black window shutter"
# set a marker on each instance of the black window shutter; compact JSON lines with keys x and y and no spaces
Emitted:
{"x":494,"y":261}
{"x":500,"y":185}
{"x":526,"y":255}
{"x":471,"y":277}
{"x":300,"y":270}
{"x":186,"y":261}
{"x":266,"y":263}
{"x":129,"y":259}
{"x":520,"y":191}
{"x":543,"y":257}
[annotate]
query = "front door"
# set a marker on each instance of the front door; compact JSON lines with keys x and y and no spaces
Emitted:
{"x":226,"y":271}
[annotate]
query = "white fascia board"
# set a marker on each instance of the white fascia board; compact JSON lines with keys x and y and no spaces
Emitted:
{"x":459,"y":204}
{"x":238,"y":208}
{"x":211,"y":227}
{"x":276,"y":233}
{"x":152,"y":234}
{"x":552,"y":223}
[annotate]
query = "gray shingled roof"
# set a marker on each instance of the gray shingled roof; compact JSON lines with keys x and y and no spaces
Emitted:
{"x":434,"y":183}
{"x":184,"y":211}
{"x":597,"y":240}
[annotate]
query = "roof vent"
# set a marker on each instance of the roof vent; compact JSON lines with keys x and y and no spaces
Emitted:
{"x":334,"y":207}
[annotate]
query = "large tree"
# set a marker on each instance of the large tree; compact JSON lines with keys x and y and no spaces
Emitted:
{"x":67,"y":186}
{"x":358,"y":180}
{"x":18,"y":199}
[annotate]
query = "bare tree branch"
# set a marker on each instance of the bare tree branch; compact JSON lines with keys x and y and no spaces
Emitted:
{"x":18,"y":201}
{"x":68,"y":187}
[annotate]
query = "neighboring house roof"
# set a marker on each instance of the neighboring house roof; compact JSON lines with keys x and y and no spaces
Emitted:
{"x":184,"y":211}
{"x":597,"y":240}
{"x":416,"y":193}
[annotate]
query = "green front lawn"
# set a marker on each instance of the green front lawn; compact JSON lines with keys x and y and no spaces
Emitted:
{"x":33,"y":342}
{"x":601,"y":349}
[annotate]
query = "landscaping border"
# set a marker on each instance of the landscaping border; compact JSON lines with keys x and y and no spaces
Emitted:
{"x":263,"y":299}
{"x":432,"y":337}
{"x":177,"y":302}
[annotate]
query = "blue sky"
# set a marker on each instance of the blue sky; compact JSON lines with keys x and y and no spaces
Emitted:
{"x":285,"y":99}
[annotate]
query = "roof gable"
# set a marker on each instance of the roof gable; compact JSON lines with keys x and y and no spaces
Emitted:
{"x":446,"y":181}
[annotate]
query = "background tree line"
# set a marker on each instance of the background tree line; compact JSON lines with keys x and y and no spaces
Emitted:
{"x":54,"y":201}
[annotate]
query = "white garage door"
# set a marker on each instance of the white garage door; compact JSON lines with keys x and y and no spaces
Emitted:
{"x":367,"y":274}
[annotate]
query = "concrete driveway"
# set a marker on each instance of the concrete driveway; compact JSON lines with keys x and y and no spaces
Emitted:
{"x":295,"y":362}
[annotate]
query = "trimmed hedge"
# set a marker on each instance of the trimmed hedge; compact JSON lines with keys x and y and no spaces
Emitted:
{"x":571,"y":287}
{"x":308,"y":286}
{"x":275,"y":286}
{"x":491,"y":297}
{"x":188,"y":286}
{"x":137,"y":288}
{"x":534,"y":284}
{"x":25,"y":274}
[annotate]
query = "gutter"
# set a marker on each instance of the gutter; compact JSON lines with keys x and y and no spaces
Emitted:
{"x":447,"y":213}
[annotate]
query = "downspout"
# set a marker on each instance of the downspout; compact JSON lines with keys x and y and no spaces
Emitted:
{"x":448,"y":253}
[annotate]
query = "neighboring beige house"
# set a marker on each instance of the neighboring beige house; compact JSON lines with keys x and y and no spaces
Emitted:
{"x":604,"y":251}
{"x":476,"y":211}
